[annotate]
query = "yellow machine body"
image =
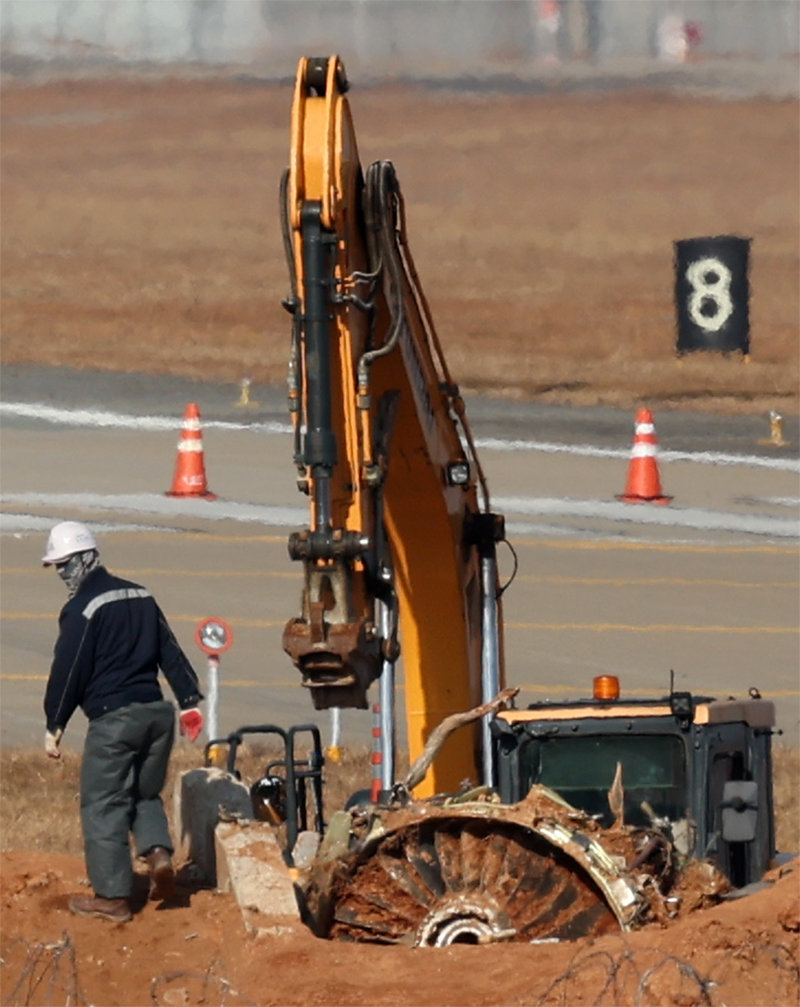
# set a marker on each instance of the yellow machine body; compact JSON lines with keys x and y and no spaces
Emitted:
{"x":403,"y":466}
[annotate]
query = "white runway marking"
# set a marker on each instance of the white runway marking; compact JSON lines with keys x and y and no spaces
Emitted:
{"x":17,"y":524}
{"x":229,"y":510}
{"x":153,"y":503}
{"x":589,"y":451}
{"x":104,"y":418}
{"x":671,"y":517}
{"x":514,"y":507}
{"x":124,"y":421}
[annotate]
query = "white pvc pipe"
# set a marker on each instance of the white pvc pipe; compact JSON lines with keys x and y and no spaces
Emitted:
{"x":336,"y":733}
{"x":212,"y":699}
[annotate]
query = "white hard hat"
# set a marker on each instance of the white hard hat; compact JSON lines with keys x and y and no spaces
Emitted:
{"x":65,"y":540}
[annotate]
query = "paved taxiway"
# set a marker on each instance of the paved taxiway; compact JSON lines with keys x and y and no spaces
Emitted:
{"x":707,"y":587}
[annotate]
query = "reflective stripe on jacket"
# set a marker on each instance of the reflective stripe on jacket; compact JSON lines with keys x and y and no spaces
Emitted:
{"x":113,"y":639}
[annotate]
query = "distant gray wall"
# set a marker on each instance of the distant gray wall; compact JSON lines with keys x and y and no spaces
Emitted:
{"x":387,"y":37}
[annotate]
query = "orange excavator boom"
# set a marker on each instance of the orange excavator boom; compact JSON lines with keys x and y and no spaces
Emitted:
{"x":401,"y":541}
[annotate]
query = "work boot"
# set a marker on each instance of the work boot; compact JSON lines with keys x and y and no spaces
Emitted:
{"x":162,"y":873}
{"x":116,"y":910}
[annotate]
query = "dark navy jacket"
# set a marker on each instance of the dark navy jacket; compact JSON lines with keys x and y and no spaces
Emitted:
{"x":112,"y":640}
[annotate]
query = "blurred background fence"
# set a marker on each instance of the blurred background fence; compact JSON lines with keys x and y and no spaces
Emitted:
{"x":390,"y":38}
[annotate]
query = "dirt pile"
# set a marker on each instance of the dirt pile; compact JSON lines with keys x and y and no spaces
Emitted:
{"x":196,"y":950}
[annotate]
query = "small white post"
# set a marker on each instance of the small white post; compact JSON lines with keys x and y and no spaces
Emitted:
{"x":334,"y":750}
{"x":213,"y":636}
{"x":212,"y":699}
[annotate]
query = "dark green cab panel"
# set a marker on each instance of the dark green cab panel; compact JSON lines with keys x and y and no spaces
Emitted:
{"x":710,"y":780}
{"x":583,"y":769}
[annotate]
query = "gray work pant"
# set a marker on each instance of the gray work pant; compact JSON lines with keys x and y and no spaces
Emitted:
{"x":124,"y":766}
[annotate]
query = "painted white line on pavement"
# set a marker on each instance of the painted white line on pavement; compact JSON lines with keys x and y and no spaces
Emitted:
{"x":222,"y":510}
{"x":153,"y":503}
{"x":105,"y":418}
{"x":671,"y":517}
{"x":589,"y":451}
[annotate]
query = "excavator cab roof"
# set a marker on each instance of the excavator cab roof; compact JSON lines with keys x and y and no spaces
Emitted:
{"x":685,"y":707}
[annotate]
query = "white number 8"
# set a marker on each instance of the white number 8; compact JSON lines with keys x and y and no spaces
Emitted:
{"x":710,"y":303}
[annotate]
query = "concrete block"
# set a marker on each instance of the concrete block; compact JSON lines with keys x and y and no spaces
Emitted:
{"x":305,"y":849}
{"x":336,"y":841}
{"x":250,"y":864}
{"x":203,"y":797}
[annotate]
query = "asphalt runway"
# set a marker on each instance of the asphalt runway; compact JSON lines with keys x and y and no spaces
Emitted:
{"x":706,"y":587}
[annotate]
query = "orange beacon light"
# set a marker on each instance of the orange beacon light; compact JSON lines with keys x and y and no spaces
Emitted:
{"x":605,"y":688}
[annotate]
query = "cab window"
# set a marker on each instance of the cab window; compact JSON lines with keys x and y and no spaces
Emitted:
{"x":581,"y":770}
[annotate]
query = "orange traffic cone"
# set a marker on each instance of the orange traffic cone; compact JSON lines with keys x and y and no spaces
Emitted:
{"x":190,"y":473}
{"x":644,"y":484}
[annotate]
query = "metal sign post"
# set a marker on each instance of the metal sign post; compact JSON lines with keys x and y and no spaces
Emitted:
{"x":213,"y":636}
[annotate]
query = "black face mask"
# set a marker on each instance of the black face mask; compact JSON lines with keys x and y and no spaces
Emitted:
{"x":74,"y":570}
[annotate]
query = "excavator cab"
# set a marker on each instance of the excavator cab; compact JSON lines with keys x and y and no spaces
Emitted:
{"x":697,"y":765}
{"x":582,"y":769}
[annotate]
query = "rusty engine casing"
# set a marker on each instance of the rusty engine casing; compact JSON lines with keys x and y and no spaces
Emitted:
{"x":478,"y":871}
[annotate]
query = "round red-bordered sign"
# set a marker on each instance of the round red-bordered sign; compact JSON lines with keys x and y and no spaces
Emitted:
{"x":213,"y":636}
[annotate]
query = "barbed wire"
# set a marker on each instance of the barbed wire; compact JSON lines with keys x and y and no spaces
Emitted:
{"x":49,"y":975}
{"x":579,"y":965}
{"x":214,"y":987}
{"x":50,"y":966}
{"x":704,"y":986}
{"x":626,"y":979}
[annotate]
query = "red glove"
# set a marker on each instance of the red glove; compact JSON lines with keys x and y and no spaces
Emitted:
{"x":191,"y":723}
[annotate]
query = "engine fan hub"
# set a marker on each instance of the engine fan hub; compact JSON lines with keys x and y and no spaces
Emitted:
{"x":463,"y":921}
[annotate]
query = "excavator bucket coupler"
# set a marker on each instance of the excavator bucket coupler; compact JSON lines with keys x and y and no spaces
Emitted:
{"x":337,"y":652}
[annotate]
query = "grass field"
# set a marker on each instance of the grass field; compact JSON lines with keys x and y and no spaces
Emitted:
{"x":40,"y":809}
{"x":141,"y":232}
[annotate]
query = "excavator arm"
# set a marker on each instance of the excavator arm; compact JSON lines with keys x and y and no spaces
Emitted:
{"x":401,"y":540}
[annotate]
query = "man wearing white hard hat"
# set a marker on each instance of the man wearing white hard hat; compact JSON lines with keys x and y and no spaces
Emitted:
{"x":113,"y":639}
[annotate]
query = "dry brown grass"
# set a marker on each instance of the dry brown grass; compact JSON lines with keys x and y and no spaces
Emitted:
{"x":141,"y":233}
{"x":40,"y":807}
{"x":40,"y":811}
{"x":786,"y":774}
